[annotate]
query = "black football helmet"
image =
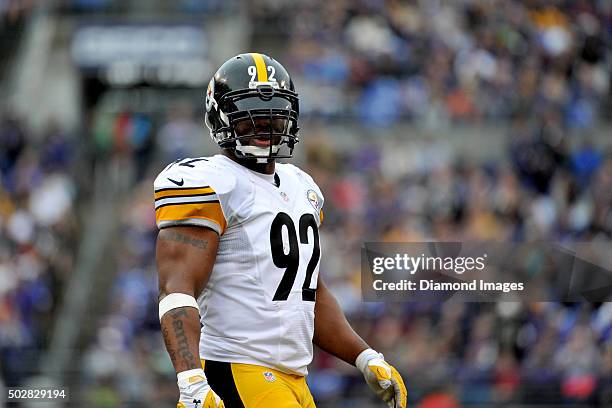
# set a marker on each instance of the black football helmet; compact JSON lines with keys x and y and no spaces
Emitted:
{"x":252,"y":108}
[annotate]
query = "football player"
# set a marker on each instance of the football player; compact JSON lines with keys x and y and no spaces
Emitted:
{"x":241,"y":300}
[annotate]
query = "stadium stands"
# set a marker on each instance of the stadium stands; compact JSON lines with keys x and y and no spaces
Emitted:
{"x":39,"y":239}
{"x":538,"y":70}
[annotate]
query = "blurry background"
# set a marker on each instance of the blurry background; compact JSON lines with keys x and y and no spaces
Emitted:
{"x":421,"y":120}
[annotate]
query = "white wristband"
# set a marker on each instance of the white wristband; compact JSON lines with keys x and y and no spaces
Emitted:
{"x":366,"y":355}
{"x":189,"y":377}
{"x":175,"y":300}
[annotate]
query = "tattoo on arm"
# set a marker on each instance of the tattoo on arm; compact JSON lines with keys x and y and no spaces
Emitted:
{"x":174,"y":236}
{"x":178,"y":346}
{"x":171,"y":351}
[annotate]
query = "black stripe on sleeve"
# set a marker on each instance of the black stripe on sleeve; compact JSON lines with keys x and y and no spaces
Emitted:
{"x":187,"y":202}
{"x":179,"y":188}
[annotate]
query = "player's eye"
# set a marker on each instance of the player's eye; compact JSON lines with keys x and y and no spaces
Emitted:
{"x":278,"y":125}
{"x":262,"y":126}
{"x":244,"y":128}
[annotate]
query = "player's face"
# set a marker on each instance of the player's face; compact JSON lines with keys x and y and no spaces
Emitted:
{"x":261,"y":131}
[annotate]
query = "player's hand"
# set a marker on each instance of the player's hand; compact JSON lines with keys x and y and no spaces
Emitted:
{"x":195,"y":391}
{"x":383,"y":378}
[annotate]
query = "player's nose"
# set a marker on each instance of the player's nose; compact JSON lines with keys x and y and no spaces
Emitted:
{"x":262,"y":126}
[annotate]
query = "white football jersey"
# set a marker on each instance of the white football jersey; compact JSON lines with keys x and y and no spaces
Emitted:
{"x":258,"y":306}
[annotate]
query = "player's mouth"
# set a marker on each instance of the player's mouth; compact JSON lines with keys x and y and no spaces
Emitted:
{"x":261,"y":142}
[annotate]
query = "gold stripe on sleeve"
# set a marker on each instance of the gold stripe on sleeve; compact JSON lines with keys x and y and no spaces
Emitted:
{"x":209,"y":211}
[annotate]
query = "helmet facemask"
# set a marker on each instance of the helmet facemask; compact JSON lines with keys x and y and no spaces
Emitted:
{"x":258,"y":123}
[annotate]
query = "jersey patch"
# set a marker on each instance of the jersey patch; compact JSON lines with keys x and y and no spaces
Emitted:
{"x":269,"y":376}
{"x":313,"y":197}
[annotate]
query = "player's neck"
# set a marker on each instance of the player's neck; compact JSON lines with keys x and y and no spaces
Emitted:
{"x":251,"y":164}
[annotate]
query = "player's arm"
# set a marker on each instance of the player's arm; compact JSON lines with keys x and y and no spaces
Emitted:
{"x":185,"y":256}
{"x":334,"y":334}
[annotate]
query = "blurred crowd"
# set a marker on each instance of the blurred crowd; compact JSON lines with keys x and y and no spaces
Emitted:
{"x":539,"y":69}
{"x":420,"y":190}
{"x":122,"y":6}
{"x":38,"y":240}
{"x":469,"y":353}
{"x":444,"y":61}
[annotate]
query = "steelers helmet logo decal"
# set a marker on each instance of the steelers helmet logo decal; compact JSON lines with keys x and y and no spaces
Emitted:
{"x":313,"y":197}
{"x":210,"y":95}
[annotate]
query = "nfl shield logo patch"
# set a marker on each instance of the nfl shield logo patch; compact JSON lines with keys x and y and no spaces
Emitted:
{"x":269,"y":376}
